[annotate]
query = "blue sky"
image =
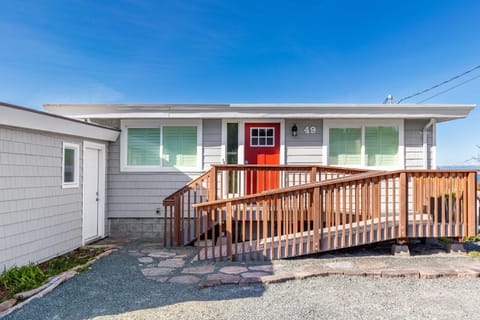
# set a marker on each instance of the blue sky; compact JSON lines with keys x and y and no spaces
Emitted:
{"x":243,"y":51}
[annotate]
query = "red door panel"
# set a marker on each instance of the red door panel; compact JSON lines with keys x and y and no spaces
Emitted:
{"x":262,"y":147}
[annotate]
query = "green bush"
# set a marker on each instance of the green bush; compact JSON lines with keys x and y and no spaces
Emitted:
{"x":18,"y":279}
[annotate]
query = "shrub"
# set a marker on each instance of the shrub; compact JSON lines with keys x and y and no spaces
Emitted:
{"x":18,"y":279}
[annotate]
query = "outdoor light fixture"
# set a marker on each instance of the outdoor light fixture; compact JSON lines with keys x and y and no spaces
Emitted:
{"x":294,"y":130}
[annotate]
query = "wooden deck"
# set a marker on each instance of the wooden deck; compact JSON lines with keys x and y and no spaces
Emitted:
{"x":320,"y":209}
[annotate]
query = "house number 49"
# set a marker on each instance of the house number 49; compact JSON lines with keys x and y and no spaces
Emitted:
{"x":310,"y":130}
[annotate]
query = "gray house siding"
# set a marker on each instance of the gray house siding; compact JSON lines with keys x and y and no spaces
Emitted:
{"x":212,"y":142}
{"x":134,"y":199}
{"x":140,"y":194}
{"x":38,"y":219}
{"x":414,"y":144}
{"x":304,"y":148}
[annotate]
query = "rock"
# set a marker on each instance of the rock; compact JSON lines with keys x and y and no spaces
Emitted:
{"x":161,"y":254}
{"x":200,"y":269}
{"x":233,"y":270}
{"x":186,"y":279}
{"x":265,"y":268}
{"x":224,"y":278}
{"x":154,"y":272}
{"x":145,"y":260}
{"x":172,"y":263}
{"x":7,"y":304}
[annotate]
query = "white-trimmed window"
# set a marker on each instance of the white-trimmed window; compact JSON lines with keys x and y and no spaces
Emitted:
{"x":367,"y":143}
{"x":70,"y":165}
{"x":161,"y":145}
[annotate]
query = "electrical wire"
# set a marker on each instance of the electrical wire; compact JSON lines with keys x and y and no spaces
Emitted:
{"x":449,"y":89}
{"x":440,"y":84}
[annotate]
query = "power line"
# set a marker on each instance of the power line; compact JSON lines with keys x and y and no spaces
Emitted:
{"x":440,"y":84}
{"x":449,"y":89}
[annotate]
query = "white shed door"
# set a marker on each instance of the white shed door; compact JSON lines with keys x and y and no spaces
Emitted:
{"x":91,"y":198}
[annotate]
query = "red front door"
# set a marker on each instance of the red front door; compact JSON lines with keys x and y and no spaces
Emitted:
{"x":262,"y":147}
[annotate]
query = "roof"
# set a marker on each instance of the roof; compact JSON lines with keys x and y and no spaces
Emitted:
{"x":22,"y":117}
{"x":440,"y":112}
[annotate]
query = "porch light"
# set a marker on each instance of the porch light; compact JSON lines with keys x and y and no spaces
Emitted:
{"x":294,"y":130}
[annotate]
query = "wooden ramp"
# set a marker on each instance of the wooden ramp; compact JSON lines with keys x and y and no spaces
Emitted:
{"x":318,"y":209}
{"x":332,"y":238}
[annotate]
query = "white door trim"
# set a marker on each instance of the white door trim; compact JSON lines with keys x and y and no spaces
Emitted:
{"x":241,"y":137}
{"x":101,"y":187}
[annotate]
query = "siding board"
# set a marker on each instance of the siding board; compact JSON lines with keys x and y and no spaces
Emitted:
{"x":38,"y":219}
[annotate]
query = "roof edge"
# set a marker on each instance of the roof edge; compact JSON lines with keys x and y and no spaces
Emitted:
{"x":14,"y":116}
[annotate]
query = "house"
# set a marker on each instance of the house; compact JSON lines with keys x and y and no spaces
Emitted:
{"x":164,"y":146}
{"x":51,"y":168}
{"x":80,"y":172}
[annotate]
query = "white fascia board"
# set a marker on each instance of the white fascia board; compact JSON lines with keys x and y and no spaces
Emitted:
{"x":20,"y":118}
{"x":284,"y":111}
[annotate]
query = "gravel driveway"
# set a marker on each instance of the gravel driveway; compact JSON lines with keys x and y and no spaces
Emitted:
{"x":116,"y":289}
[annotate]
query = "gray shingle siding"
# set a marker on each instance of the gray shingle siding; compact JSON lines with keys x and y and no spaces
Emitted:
{"x":38,"y":219}
{"x":304,"y":148}
{"x":414,"y":143}
{"x":212,"y":142}
{"x":139,"y":194}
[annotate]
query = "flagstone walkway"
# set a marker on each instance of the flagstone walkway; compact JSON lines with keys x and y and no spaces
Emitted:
{"x":177,"y":266}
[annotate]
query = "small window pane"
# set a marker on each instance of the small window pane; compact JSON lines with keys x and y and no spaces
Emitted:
{"x":345,"y":146}
{"x":143,"y":147}
{"x":69,"y":165}
{"x":232,"y":143}
{"x":180,"y":146}
{"x":381,"y":146}
{"x":265,"y":137}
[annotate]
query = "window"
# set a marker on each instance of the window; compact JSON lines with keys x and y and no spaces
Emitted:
{"x":70,"y":165}
{"x":365,"y":143}
{"x":381,"y":146}
{"x":345,"y":146}
{"x":262,"y":137}
{"x":179,"y":146}
{"x":143,"y":147}
{"x":153,"y":146}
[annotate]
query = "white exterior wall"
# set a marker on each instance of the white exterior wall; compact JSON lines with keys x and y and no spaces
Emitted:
{"x":38,"y":219}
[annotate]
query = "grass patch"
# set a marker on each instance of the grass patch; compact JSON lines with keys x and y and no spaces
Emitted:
{"x":445,"y":240}
{"x":474,"y":239}
{"x":474,"y":254}
{"x":31,"y":276}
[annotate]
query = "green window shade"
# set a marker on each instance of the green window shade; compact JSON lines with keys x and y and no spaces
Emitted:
{"x":69,"y":165}
{"x":381,"y":146}
{"x":345,"y":146}
{"x":180,"y":146}
{"x":143,"y":147}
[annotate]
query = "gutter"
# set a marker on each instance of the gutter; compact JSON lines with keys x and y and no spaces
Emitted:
{"x":432,"y":122}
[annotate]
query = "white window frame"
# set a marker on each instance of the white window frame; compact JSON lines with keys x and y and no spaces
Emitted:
{"x":159,"y":123}
{"x":76,"y":165}
{"x":258,"y":137}
{"x":348,"y":123}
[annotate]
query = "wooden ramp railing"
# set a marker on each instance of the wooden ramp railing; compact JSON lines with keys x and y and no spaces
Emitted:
{"x":343,"y":212}
{"x":230,"y":181}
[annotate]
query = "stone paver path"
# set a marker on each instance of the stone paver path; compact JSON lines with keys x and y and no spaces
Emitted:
{"x":178,"y":266}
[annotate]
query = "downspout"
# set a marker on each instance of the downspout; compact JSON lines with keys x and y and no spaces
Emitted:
{"x":425,"y":145}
